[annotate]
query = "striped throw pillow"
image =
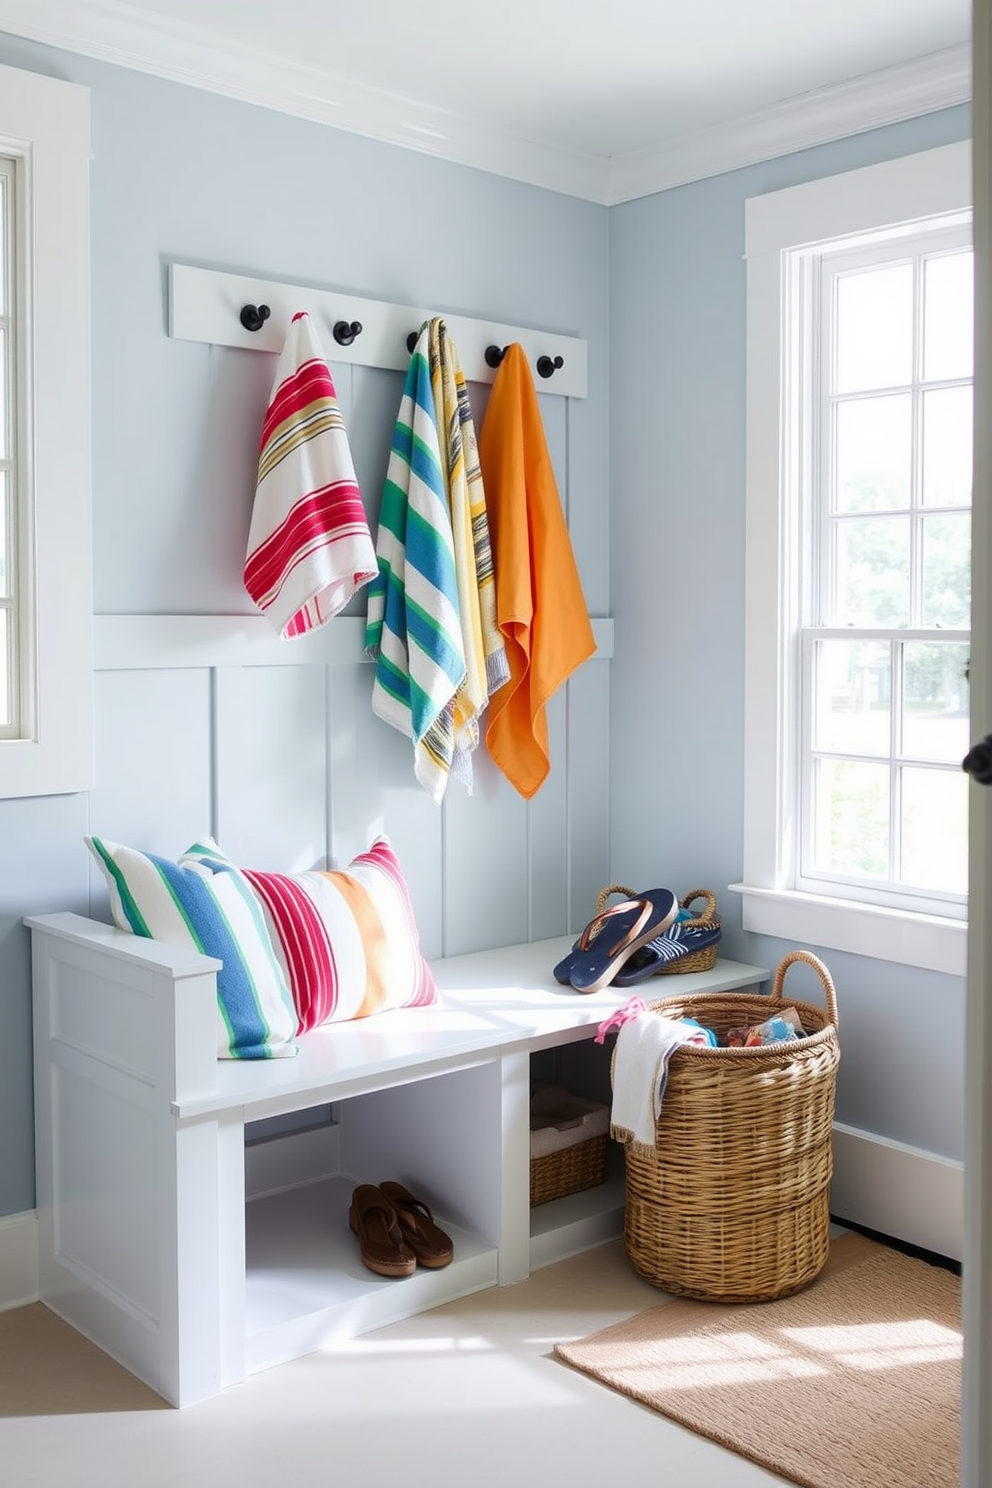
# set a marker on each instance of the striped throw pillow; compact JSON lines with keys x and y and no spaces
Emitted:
{"x":347,"y":939}
{"x":215,"y":912}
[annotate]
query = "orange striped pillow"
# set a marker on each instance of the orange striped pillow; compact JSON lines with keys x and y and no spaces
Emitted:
{"x":346,"y":939}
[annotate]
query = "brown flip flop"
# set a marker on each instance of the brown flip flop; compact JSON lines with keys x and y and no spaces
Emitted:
{"x":380,"y":1242}
{"x":432,"y":1247}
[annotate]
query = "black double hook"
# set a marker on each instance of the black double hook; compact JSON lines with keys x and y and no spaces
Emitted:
{"x":548,"y":366}
{"x":253,"y":317}
{"x":345,"y":331}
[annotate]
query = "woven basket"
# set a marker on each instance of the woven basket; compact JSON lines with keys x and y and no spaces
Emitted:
{"x":733,"y":1204}
{"x":569,"y":1171}
{"x":568,"y":1143}
{"x":708,"y":919}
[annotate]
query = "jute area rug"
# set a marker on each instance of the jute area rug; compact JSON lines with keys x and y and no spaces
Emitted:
{"x":855,"y":1382}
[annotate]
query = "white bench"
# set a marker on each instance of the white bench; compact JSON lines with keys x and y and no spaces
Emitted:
{"x":196,"y":1245}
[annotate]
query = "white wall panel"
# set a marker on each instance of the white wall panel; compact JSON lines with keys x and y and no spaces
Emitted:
{"x":548,"y":834}
{"x":587,"y":501}
{"x":105,"y":1192}
{"x":154,"y":759}
{"x":583,"y":487}
{"x":271,"y":752}
{"x":485,"y":862}
{"x":589,"y":804}
{"x":373,"y":790}
{"x":554,"y":417}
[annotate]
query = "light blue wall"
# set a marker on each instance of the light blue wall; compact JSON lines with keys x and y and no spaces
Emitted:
{"x":677,"y":328}
{"x":182,"y":174}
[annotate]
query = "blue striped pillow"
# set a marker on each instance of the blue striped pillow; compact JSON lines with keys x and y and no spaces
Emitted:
{"x":218,"y":914}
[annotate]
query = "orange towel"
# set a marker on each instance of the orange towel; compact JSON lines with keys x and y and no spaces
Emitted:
{"x":540,"y":606}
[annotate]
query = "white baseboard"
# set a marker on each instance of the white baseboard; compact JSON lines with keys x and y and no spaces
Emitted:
{"x":900,"y":1191}
{"x":18,"y":1259}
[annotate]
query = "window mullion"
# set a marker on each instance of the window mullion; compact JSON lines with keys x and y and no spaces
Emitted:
{"x":897,"y":656}
{"x":916,"y":453}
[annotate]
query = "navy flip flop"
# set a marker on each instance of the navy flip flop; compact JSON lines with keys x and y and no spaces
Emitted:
{"x":613,"y":936}
{"x":679,"y":941}
{"x":563,"y":971}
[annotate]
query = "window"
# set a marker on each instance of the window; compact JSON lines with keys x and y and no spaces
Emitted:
{"x":45,"y":537}
{"x":885,"y":604}
{"x":858,"y":528}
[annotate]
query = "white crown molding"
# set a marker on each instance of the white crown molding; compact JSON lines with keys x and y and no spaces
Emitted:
{"x":114,"y":31}
{"x":111,"y":31}
{"x":886,"y":97}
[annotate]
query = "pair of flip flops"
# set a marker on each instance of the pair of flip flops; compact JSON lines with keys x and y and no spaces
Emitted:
{"x":680,"y":945}
{"x":396,"y":1230}
{"x":679,"y":942}
{"x":614,"y":935}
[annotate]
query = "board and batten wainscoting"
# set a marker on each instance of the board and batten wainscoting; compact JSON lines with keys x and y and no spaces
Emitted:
{"x":273,"y":748}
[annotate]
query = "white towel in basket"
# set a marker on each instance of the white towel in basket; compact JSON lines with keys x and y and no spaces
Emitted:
{"x":640,"y":1073}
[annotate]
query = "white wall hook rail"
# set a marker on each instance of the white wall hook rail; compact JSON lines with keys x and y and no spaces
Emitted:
{"x":213,"y":306}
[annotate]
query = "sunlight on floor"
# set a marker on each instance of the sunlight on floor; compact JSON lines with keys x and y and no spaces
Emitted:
{"x":882,"y":1345}
{"x":719,"y":1359}
{"x":741,"y":1358}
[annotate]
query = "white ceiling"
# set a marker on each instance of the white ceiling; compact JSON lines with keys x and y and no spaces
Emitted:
{"x":605,"y":101}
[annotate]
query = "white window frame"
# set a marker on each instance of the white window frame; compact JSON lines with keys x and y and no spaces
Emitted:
{"x":907,"y":191}
{"x":10,"y":702}
{"x":45,"y":130}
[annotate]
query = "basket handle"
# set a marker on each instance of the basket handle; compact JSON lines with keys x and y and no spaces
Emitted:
{"x":706,"y":916}
{"x":828,"y":985}
{"x":604,"y":894}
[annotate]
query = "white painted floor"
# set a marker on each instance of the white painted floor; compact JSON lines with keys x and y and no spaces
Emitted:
{"x":466,"y":1396}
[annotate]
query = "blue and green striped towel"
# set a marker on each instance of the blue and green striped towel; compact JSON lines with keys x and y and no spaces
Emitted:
{"x":413,"y":629}
{"x":486,"y":665}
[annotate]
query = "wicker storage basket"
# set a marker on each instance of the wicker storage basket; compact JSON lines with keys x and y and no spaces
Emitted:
{"x":568,"y":1144}
{"x":705,"y":919}
{"x":733,"y":1204}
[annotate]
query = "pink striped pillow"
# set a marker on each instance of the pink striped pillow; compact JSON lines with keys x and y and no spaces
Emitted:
{"x":346,"y":940}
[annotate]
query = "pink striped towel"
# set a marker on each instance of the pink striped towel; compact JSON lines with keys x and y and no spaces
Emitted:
{"x":309,"y":546}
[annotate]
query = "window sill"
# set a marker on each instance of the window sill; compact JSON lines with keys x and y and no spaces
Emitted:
{"x":927,"y":941}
